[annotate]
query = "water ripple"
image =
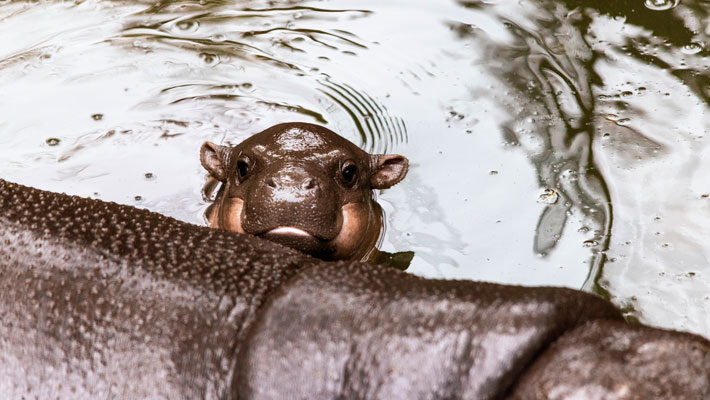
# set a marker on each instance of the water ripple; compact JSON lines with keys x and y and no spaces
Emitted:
{"x":254,"y":37}
{"x":378,"y":130}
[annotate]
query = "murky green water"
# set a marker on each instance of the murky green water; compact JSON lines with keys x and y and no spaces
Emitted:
{"x":552,"y":143}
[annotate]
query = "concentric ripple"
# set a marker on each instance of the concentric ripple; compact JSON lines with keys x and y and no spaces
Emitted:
{"x":240,"y":43}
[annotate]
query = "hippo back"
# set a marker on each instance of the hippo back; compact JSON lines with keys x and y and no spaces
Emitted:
{"x":99,"y":300}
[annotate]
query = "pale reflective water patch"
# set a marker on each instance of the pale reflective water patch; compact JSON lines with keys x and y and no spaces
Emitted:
{"x":655,"y":154}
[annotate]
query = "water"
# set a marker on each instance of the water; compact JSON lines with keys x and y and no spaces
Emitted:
{"x":552,"y":143}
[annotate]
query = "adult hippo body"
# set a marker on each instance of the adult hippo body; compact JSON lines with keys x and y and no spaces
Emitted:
{"x":303,"y":186}
{"x":99,"y":300}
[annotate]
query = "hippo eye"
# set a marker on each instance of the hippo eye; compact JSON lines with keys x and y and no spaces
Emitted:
{"x":242,"y":168}
{"x":349,"y":173}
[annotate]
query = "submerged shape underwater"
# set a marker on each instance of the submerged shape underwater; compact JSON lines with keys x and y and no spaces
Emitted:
{"x":552,"y":142}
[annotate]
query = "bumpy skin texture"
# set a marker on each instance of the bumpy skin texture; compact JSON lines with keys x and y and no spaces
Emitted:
{"x":99,"y":300}
{"x":352,"y":331}
{"x":629,"y":363}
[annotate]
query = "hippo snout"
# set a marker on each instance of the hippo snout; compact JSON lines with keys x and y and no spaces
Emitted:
{"x":292,"y":197}
{"x":292,"y":184}
{"x":306,"y":185}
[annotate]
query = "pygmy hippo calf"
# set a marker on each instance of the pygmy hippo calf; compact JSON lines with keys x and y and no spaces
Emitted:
{"x":303,"y":186}
{"x":99,"y":300}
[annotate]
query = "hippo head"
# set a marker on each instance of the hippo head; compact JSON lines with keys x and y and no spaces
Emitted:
{"x":303,"y":186}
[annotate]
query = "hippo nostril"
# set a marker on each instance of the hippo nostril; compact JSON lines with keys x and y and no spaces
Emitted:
{"x":270,"y":182}
{"x":308,"y":184}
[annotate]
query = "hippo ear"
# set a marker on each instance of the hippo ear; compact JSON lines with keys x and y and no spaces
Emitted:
{"x":214,"y":158}
{"x":389,"y":169}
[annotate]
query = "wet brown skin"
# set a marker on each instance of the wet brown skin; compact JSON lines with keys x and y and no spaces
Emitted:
{"x":104,"y":301}
{"x":303,"y":186}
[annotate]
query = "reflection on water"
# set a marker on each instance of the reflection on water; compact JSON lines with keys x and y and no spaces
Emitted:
{"x":552,"y":142}
{"x":547,"y":74}
{"x":289,"y":44}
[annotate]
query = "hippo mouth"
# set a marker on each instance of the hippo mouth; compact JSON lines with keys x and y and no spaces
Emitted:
{"x":356,"y":234}
{"x":288,"y":230}
{"x":299,"y":239}
{"x":292,"y":231}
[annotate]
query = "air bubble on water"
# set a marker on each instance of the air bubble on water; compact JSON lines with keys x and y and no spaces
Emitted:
{"x":549,"y":196}
{"x":188,"y":26}
{"x":218,"y":38}
{"x":692,"y":48}
{"x":590,"y":243}
{"x":623,"y":121}
{"x":661,"y":5}
{"x":209,"y":59}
